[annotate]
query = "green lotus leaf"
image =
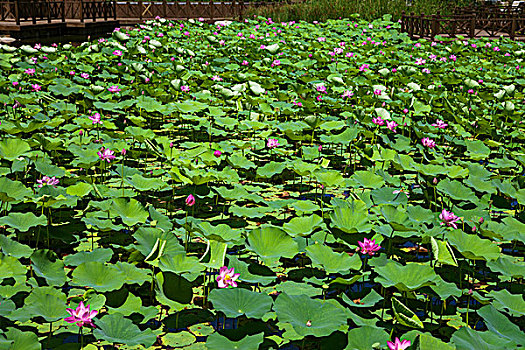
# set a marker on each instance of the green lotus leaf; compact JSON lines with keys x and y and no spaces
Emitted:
{"x":97,"y":275}
{"x":456,"y":190}
{"x":367,"y":179}
{"x":501,"y":325}
{"x":303,"y":225}
{"x":216,"y":341}
{"x":294,"y":288}
{"x":220,"y":233}
{"x":117,"y":329}
{"x":467,"y":339}
{"x":11,"y":191}
{"x":473,"y":247}
{"x":442,"y":252}
{"x":352,"y":218}
{"x":10,"y":267}
{"x":329,"y":178}
{"x":270,"y":169}
{"x":179,"y":339}
{"x":476,"y":149}
{"x":365,"y":337}
{"x":130,"y":211}
{"x":514,"y":303}
{"x":271,"y":243}
{"x":80,"y":189}
{"x":12,"y":148}
{"x":248,"y":271}
{"x":23,"y":221}
{"x":46,"y":302}
{"x":148,"y":237}
{"x":14,"y":248}
{"x":173,"y":290}
{"x":405,"y":316}
{"x":46,"y":264}
{"x":406,"y":278}
{"x":428,"y":342}
{"x":182,"y":264}
{"x":368,"y":301}
{"x":309,"y":316}
{"x":332,"y":262}
{"x":16,"y":339}
{"x":238,"y":301}
{"x":97,"y":254}
{"x":509,"y":267}
{"x":142,"y":183}
{"x":132,"y":273}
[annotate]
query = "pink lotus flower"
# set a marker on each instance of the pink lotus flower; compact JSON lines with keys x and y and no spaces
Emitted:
{"x":272,"y":143}
{"x":369,"y":246}
{"x":84,"y":75}
{"x":81,"y":315}
{"x":190,"y":200}
{"x":15,"y":83}
{"x":217,"y":153}
{"x":114,"y":88}
{"x":95,"y":118}
{"x":276,"y":63}
{"x":378,"y":121}
{"x":71,"y":72}
{"x":216,"y":78}
{"x":30,"y":71}
{"x":428,"y":142}
{"x":36,"y":87}
{"x":364,"y":67}
{"x":377,"y":92}
{"x":185,"y":88}
{"x":448,"y":218}
{"x":244,"y":63}
{"x":391,"y":125}
{"x":321,"y":88}
{"x":106,"y":155}
{"x":398,"y":344}
{"x":123,"y":152}
{"x":440,"y":124}
{"x":117,"y":53}
{"x":227,"y":277}
{"x":347,"y":94}
{"x":47,"y":181}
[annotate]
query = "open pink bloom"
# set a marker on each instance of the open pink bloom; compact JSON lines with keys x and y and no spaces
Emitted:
{"x":190,"y":200}
{"x":321,"y":88}
{"x":216,"y":77}
{"x":391,"y":125}
{"x":106,"y":155}
{"x":276,"y":63}
{"x":398,"y":344}
{"x":364,"y":67}
{"x":369,"y":246}
{"x":227,"y":277}
{"x":117,"y":53}
{"x":428,"y":142}
{"x":47,"y":181}
{"x":114,"y":88}
{"x":378,"y":121}
{"x":448,"y":218}
{"x":81,"y":315}
{"x":440,"y":124}
{"x":377,"y":92}
{"x":30,"y":71}
{"x":84,"y":75}
{"x":36,"y":87}
{"x":347,"y":94}
{"x":95,"y":118}
{"x":185,"y":88}
{"x":272,"y":143}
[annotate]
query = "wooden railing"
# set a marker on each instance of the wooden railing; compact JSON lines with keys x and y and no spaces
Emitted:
{"x":132,"y":11}
{"x":465,"y":24}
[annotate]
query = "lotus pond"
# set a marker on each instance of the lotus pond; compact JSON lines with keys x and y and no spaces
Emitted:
{"x":262,"y":185}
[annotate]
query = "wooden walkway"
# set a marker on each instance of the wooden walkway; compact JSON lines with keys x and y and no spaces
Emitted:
{"x":38,"y":19}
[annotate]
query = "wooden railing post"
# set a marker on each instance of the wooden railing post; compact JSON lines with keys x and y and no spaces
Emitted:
{"x":81,"y":11}
{"x":114,"y":2}
{"x":233,"y":8}
{"x":433,"y":29}
{"x":141,"y":7}
{"x":17,"y":13}
{"x":472,"y":27}
{"x":164,"y":8}
{"x":513,"y":28}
